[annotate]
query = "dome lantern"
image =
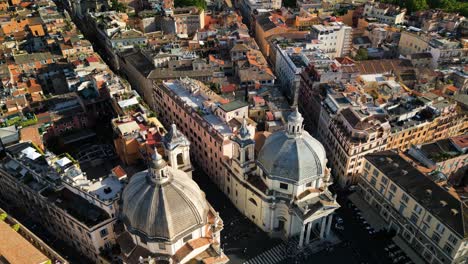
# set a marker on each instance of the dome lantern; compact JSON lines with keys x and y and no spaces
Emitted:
{"x":244,"y":133}
{"x":157,"y":165}
{"x":295,"y":121}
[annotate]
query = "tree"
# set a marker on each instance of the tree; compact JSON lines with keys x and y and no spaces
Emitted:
{"x":117,"y":6}
{"x":201,"y":4}
{"x":361,"y":54}
{"x":416,"y":5}
{"x":16,"y":227}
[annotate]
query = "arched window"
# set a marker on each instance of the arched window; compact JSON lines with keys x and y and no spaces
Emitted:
{"x":253,"y":201}
{"x":180,"y":159}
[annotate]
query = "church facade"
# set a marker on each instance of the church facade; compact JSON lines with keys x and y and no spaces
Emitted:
{"x":166,"y":217}
{"x":284,"y":188}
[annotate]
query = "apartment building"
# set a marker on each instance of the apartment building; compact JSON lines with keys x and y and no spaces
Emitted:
{"x":134,"y":133}
{"x":248,"y":7}
{"x":427,"y":215}
{"x":207,"y":120}
{"x":350,"y":130}
{"x":413,"y":41}
{"x":448,"y":155}
{"x":334,"y":39}
{"x":188,"y":20}
{"x":445,"y":51}
{"x":442,"y":50}
{"x":293,"y":59}
{"x":57,"y":194}
{"x":385,"y":13}
{"x":20,"y":245}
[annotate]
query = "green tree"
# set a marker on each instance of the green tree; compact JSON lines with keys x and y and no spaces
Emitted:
{"x":16,"y":227}
{"x":416,"y":5}
{"x":361,"y":54}
{"x":118,"y":6}
{"x":3,"y":216}
{"x":198,"y":3}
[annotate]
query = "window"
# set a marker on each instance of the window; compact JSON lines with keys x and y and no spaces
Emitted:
{"x":104,"y":232}
{"x":384,"y":180}
{"x":162,"y":246}
{"x":187,"y":238}
{"x":367,"y":166}
{"x":404,"y":198}
{"x":373,"y":181}
{"x":453,"y":239}
{"x":435,"y":238}
{"x":414,"y":218}
{"x":440,"y":228}
{"x":390,"y":196}
{"x":382,"y":189}
{"x":402,"y":208}
{"x":417,"y":208}
{"x":253,"y":201}
{"x":375,"y":172}
{"x":393,"y":188}
{"x":284,"y":186}
{"x":448,"y":249}
{"x":428,"y":218}
{"x":425,"y":227}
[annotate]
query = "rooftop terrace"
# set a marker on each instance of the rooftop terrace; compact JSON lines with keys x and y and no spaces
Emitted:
{"x":76,"y":206}
{"x":200,"y":98}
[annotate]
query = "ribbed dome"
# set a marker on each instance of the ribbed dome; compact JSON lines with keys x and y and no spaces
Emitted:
{"x":163,"y":210}
{"x":293,"y":155}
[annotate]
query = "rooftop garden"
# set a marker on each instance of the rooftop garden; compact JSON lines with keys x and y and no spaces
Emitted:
{"x":201,"y":4}
{"x":28,"y":119}
{"x":443,"y":156}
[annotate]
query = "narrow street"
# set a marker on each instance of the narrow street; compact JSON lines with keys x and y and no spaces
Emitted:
{"x":238,"y":233}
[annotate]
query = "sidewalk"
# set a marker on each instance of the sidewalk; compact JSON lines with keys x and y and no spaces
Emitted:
{"x":369,"y":213}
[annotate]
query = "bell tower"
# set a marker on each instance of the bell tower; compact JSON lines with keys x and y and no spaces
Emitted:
{"x":243,"y":148}
{"x":177,"y":149}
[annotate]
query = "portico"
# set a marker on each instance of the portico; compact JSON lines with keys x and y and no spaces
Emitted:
{"x":322,"y":228}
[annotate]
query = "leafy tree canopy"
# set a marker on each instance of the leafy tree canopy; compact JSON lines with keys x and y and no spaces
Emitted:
{"x":361,"y":54}
{"x":198,"y":3}
{"x":460,"y":6}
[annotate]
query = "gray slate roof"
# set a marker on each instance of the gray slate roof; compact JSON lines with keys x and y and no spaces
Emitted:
{"x":292,"y":158}
{"x":165,"y":211}
{"x":416,"y":184}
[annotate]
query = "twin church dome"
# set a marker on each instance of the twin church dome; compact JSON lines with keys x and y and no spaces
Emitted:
{"x":292,"y":155}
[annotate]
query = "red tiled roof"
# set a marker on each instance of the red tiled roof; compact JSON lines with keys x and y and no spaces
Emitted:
{"x":119,"y":172}
{"x":228,"y":88}
{"x":258,"y":99}
{"x":452,"y":88}
{"x":92,"y":59}
{"x":460,"y":141}
{"x":269,"y":116}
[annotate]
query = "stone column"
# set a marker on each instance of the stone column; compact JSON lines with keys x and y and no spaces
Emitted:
{"x":272,"y":218}
{"x":301,"y":237}
{"x":322,"y":227}
{"x":330,"y":219}
{"x":309,"y":228}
